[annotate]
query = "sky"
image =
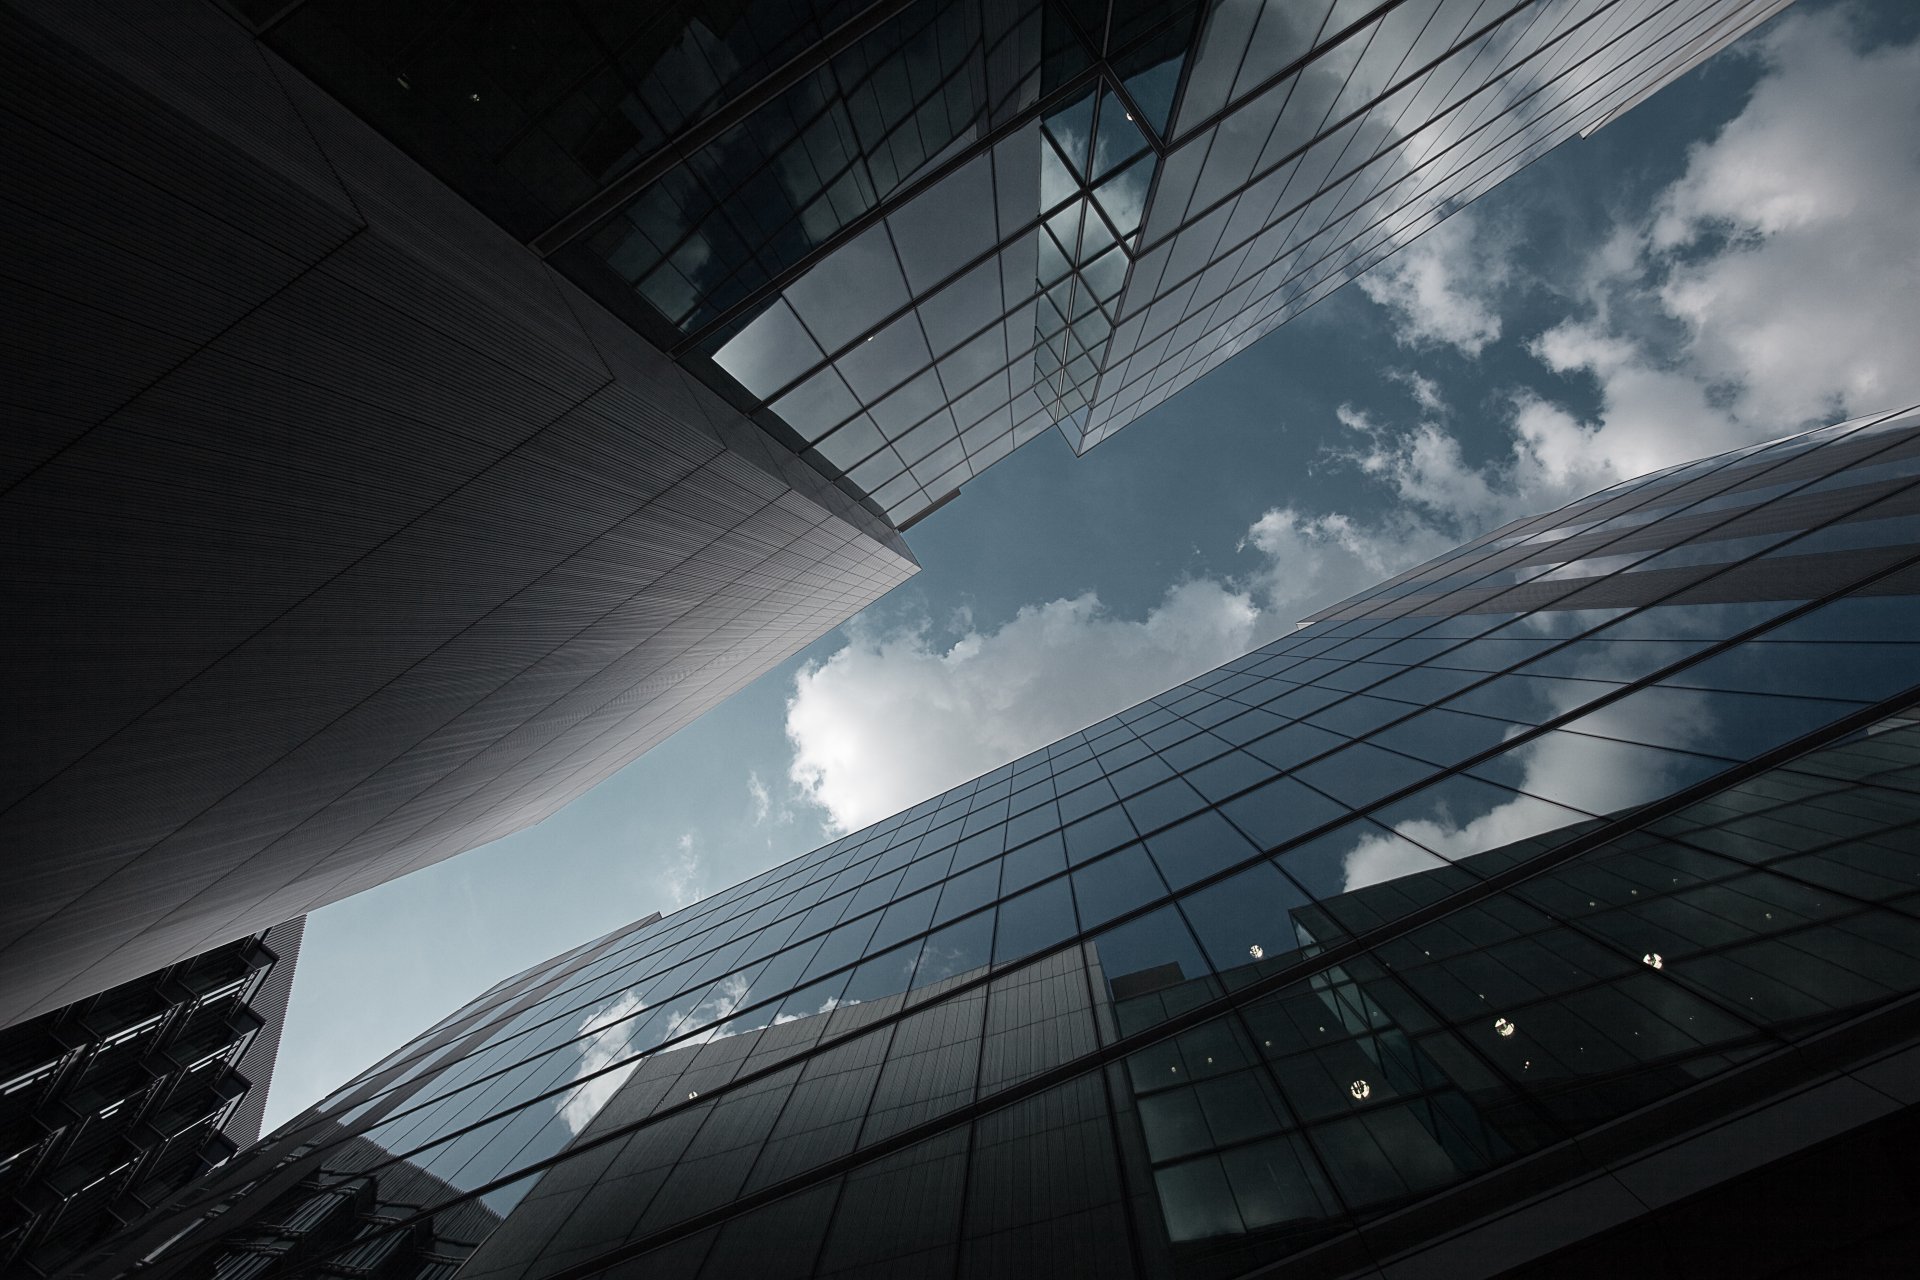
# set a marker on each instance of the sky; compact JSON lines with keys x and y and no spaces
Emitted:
{"x":1735,"y":259}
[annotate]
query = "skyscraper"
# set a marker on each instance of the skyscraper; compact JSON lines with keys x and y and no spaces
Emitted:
{"x":427,"y":407}
{"x":114,"y":1103}
{"x":1533,"y":912}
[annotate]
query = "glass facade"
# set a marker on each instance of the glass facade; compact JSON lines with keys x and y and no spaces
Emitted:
{"x":1424,"y":909}
{"x":112,"y":1103}
{"x":915,"y":236}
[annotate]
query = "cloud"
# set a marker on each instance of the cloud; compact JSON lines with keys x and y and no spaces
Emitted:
{"x":1441,"y":289}
{"x":761,"y":803}
{"x":1787,"y":248}
{"x":981,"y":699}
{"x":1425,"y":391}
{"x":612,"y":1028}
{"x":1314,"y":560}
{"x":1777,"y":280}
{"x":1774,"y":284}
{"x":681,"y":873}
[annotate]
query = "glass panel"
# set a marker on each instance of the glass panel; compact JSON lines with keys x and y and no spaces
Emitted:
{"x":770,"y":352}
{"x":1151,"y":969}
{"x":956,"y":951}
{"x":1114,"y":885}
{"x":1246,"y":922}
{"x":1280,"y":811}
{"x":1033,"y":921}
{"x":1093,"y":836}
{"x":1197,"y":848}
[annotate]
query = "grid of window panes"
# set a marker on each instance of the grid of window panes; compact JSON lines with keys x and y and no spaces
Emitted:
{"x":922,"y":234}
{"x":1308,"y":142}
{"x":1103,"y":955}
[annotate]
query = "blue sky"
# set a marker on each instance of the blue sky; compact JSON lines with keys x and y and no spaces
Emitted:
{"x":1734,"y":259}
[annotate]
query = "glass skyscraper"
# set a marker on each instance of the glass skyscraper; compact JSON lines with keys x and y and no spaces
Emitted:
{"x":1519,"y":915}
{"x":431,"y":405}
{"x":914,"y":236}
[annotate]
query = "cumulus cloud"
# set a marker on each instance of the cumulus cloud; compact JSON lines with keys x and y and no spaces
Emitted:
{"x":1777,"y":281}
{"x":1441,"y":289}
{"x":681,"y":872}
{"x":1774,"y":284}
{"x":1788,"y":246}
{"x":1313,"y":560}
{"x":990,"y":695}
{"x":610,"y":1027}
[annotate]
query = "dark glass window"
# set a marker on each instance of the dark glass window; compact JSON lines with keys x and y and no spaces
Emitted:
{"x":1033,"y":921}
{"x":1114,"y":885}
{"x":1197,"y":848}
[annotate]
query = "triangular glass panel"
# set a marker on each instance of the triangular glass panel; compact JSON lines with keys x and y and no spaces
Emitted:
{"x":1095,"y":238}
{"x":1052,"y":318}
{"x":1057,"y":181}
{"x":1107,"y":275}
{"x":1065,"y":226}
{"x":1061,"y":295}
{"x":1153,"y":90}
{"x":1064,"y":54}
{"x":1053,"y":259}
{"x":1083,"y":303}
{"x":1119,"y":139}
{"x":1072,"y":128}
{"x":1091,"y":330}
{"x":1123,"y":197}
{"x":1092,"y":17}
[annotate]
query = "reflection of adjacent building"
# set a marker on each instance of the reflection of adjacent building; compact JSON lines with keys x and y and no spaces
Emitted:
{"x":112,"y":1104}
{"x":494,"y":388}
{"x":1522,"y":1020}
{"x":354,"y":1224}
{"x":1438,"y":934}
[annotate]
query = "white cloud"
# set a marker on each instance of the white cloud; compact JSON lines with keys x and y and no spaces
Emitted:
{"x":1775,"y":283}
{"x":681,"y":873}
{"x":1789,"y":244}
{"x":1777,"y":280}
{"x":759,"y":799}
{"x":1425,"y":391}
{"x":611,"y":1027}
{"x":1441,"y":288}
{"x":992,"y":695}
{"x":1315,"y":560}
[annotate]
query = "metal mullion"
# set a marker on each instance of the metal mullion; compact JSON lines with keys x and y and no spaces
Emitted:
{"x":1679,"y":664}
{"x":1333,"y":955}
{"x":1333,"y":182}
{"x":1322,"y":43}
{"x":677,"y":150}
{"x":1325,"y":128}
{"x":1497,"y":178}
{"x":908,"y":192}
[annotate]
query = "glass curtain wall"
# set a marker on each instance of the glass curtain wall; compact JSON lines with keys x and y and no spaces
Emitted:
{"x":1610,"y":805}
{"x":915,"y":236}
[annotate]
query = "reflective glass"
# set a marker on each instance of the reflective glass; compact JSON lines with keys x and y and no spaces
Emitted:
{"x":1114,"y":885}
